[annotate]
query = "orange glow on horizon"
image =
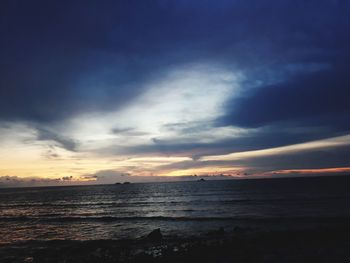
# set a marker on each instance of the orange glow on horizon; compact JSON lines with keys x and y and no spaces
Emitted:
{"x":334,"y":170}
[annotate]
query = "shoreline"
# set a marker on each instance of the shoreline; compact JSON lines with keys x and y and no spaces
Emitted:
{"x":13,"y":232}
{"x":323,"y":244}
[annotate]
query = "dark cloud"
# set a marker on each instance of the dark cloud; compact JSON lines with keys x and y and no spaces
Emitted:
{"x":127,"y":132}
{"x":17,"y":181}
{"x":47,"y":135}
{"x":67,"y":178}
{"x":317,"y":99}
{"x":310,"y":97}
{"x":64,"y":57}
{"x":51,"y":153}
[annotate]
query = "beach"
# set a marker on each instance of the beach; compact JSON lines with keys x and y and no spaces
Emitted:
{"x":316,"y":244}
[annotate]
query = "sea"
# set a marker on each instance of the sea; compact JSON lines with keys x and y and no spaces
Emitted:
{"x":178,"y":208}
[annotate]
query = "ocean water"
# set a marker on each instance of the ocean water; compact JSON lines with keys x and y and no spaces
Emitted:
{"x":178,"y":208}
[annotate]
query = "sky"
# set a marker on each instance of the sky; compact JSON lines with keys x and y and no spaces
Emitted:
{"x":109,"y":91}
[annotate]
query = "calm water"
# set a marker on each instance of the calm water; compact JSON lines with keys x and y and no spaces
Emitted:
{"x":186,"y":208}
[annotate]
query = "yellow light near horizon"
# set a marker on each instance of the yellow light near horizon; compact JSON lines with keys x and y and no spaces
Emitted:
{"x":213,"y":170}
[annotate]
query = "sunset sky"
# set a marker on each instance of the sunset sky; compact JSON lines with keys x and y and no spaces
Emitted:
{"x":110,"y":91}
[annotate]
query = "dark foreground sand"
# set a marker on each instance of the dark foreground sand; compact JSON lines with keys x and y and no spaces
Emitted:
{"x":321,"y":244}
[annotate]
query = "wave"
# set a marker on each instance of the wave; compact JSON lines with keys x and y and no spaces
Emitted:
{"x":111,"y":218}
{"x":105,"y":218}
{"x":159,"y":218}
{"x":150,"y":203}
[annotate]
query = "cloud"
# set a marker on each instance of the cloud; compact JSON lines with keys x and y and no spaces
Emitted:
{"x":173,"y":108}
{"x":47,"y":135}
{"x":311,"y":99}
{"x":332,"y":152}
{"x":17,"y":181}
{"x":329,"y":143}
{"x":308,"y":172}
{"x":67,"y":178}
{"x":185,"y":79}
{"x":67,"y":58}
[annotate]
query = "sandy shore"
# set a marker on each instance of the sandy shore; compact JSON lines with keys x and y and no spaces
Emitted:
{"x":321,"y":244}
